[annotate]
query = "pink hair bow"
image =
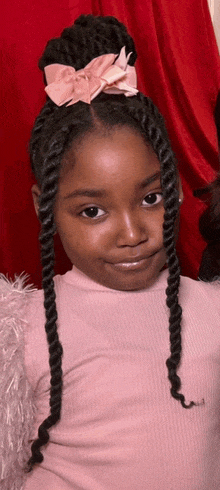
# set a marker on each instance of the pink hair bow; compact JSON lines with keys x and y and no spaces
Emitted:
{"x":65,"y":84}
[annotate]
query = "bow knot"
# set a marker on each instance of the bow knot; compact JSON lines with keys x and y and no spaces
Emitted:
{"x":102,"y":74}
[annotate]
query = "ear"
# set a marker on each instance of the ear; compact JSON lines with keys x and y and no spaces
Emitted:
{"x":36,"y":194}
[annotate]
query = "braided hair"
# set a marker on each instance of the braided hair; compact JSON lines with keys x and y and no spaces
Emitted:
{"x":55,"y":130}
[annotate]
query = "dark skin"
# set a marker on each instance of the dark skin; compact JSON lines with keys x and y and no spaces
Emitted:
{"x":109,"y":209}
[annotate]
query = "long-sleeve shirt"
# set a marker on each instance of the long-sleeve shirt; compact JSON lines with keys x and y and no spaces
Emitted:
{"x":120,"y":428}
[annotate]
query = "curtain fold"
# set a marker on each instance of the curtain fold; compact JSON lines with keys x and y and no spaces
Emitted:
{"x":178,"y":67}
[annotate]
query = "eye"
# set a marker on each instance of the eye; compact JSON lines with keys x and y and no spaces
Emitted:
{"x":92,"y":212}
{"x":152,"y":199}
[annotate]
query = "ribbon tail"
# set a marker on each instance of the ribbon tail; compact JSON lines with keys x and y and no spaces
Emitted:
{"x":122,"y":60}
{"x":122,"y":89}
{"x":103,"y":84}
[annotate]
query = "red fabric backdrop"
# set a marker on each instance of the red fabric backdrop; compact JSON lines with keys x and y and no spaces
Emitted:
{"x":178,"y":67}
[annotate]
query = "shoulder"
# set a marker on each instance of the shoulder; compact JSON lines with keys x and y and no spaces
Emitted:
{"x":201,"y":287}
{"x":200,"y":293}
{"x":34,"y":311}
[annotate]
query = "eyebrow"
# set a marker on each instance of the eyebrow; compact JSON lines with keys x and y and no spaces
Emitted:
{"x":102,"y":192}
{"x":86,"y":192}
{"x":149,"y":180}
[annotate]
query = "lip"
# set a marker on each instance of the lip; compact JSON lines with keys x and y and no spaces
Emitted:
{"x":132,"y":263}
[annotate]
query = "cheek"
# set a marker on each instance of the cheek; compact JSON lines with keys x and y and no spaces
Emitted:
{"x":67,"y":231}
{"x":156,"y":225}
{"x":78,"y":238}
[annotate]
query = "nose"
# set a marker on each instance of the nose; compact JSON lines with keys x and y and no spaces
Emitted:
{"x":131,"y":231}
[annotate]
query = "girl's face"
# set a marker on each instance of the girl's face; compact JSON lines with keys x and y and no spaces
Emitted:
{"x":109,"y":210}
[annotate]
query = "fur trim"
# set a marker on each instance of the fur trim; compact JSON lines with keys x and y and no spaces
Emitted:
{"x":16,"y":398}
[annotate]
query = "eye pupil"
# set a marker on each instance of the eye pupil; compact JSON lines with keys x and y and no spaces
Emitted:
{"x":91,"y":212}
{"x":151,"y":198}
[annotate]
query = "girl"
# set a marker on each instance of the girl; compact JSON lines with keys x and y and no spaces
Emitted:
{"x":105,"y":417}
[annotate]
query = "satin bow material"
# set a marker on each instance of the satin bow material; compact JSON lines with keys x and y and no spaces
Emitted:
{"x":102,"y":74}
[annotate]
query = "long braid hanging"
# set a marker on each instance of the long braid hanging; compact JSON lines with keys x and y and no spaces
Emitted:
{"x":47,"y":199}
{"x":171,"y":207}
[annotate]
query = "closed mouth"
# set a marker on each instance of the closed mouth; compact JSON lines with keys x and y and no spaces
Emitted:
{"x":132,"y":263}
{"x":130,"y":260}
{"x":134,"y":259}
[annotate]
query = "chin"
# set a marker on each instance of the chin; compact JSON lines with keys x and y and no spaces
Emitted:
{"x":131,"y":283}
{"x":133,"y":280}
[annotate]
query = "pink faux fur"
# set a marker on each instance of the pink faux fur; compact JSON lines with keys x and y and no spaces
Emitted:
{"x":16,"y":400}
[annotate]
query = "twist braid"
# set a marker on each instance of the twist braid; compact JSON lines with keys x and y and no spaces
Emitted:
{"x":171,"y":206}
{"x":35,"y":142}
{"x":49,"y":188}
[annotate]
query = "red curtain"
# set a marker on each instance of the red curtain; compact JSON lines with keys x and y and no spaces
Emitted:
{"x":178,"y":67}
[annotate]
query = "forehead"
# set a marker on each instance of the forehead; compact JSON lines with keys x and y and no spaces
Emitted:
{"x":121,"y":155}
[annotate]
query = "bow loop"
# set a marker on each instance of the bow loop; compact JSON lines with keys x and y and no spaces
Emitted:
{"x":66,"y":74}
{"x":102,"y":74}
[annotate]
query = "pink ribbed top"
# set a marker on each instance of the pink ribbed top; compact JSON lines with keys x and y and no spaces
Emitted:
{"x":120,"y":429}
